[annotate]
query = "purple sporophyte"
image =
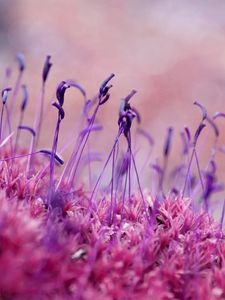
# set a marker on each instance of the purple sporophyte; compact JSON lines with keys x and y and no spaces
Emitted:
{"x":40,"y":112}
{"x":60,"y":110}
{"x":219,"y":115}
{"x":47,"y":67}
{"x":63,"y":86}
{"x":21,"y":61}
{"x":166,"y":152}
{"x":167,"y":144}
{"x":188,"y":134}
{"x":213,"y":125}
{"x":60,"y":94}
{"x":194,"y":153}
{"x":73,"y":163}
{"x":28,"y":128}
{"x":104,"y":90}
{"x":185,"y":143}
{"x":203,"y":109}
{"x":126,"y":116}
{"x":61,"y":115}
{"x":25,"y":98}
{"x":5,"y":93}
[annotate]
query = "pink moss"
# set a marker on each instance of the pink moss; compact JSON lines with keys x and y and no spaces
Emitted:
{"x":76,"y":255}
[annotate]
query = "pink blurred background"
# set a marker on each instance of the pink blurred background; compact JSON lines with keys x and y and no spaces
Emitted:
{"x":172,"y":52}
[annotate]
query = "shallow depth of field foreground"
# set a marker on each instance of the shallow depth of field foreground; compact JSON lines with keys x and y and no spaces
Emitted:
{"x":86,"y":227}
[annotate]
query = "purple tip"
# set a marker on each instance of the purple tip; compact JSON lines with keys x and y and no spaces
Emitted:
{"x":218,"y":115}
{"x":78,"y":86}
{"x":188,"y":134}
{"x":8,"y":72}
{"x":168,"y":142}
{"x":103,"y":88}
{"x":57,"y":158}
{"x":145,"y":134}
{"x":25,"y":97}
{"x":60,"y":92}
{"x":157,"y":168}
{"x":130,"y":95}
{"x":21,"y":61}
{"x":197,"y":133}
{"x":60,"y":109}
{"x":203,"y":109}
{"x":213,"y":125}
{"x":47,"y":67}
{"x":5,"y":94}
{"x":63,"y":86}
{"x":28,"y":128}
{"x":185,"y":142}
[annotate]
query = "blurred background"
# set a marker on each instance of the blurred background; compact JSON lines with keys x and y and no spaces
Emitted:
{"x":172,"y":52}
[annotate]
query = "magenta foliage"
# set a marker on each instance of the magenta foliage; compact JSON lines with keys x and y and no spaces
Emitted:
{"x":181,"y":256}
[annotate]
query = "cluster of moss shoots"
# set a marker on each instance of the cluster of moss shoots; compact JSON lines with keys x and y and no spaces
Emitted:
{"x":60,"y":239}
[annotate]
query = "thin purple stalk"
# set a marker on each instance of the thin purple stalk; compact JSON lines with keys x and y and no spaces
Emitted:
{"x":39,"y":118}
{"x":222,"y":216}
{"x":18,"y":131}
{"x":29,"y":158}
{"x":70,"y":168}
{"x":112,"y":206}
{"x":124,"y":194}
{"x":19,"y":156}
{"x":73,"y":173}
{"x":188,"y":173}
{"x":52,"y":164}
{"x":31,"y":149}
{"x":139,"y":186}
{"x":129,"y":167}
{"x":106,"y":163}
{"x":199,"y":170}
{"x":103,"y":97}
{"x":9,"y":125}
{"x":89,"y":165}
{"x":196,"y":136}
{"x":1,"y":120}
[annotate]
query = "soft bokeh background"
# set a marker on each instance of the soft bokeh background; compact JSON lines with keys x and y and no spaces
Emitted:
{"x":172,"y":52}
